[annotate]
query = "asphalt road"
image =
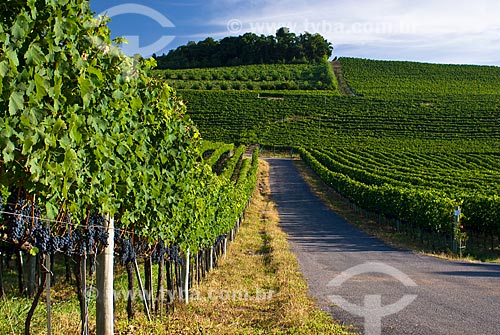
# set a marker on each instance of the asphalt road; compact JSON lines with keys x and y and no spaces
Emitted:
{"x":341,"y":262}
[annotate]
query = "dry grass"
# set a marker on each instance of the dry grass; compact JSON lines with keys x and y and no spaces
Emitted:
{"x":258,"y":289}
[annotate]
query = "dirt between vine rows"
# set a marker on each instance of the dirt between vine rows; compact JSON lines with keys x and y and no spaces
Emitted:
{"x":451,"y":297}
{"x":343,"y":86}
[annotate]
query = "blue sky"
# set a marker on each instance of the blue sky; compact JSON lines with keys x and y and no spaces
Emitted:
{"x":439,"y":31}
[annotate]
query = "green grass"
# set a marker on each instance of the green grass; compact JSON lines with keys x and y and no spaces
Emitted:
{"x":65,"y":310}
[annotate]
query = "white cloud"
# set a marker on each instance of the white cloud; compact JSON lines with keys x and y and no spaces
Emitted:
{"x":448,"y":31}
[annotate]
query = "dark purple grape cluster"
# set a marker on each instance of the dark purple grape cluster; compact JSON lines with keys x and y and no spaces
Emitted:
{"x":41,"y":238}
{"x":159,"y":251}
{"x":97,"y":232}
{"x":124,"y":249}
{"x":66,"y":243}
{"x":24,"y":222}
{"x":174,"y":255}
{"x":86,"y":239}
{"x":16,"y":222}
{"x":54,"y":244}
{"x":79,"y":241}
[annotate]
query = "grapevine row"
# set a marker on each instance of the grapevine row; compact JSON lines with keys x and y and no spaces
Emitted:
{"x":253,"y":77}
{"x":430,"y":209}
{"x":406,"y":173}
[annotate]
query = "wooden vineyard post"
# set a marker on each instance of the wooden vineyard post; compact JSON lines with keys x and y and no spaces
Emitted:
{"x":83,"y":267}
{"x":211,"y":260}
{"x":104,"y":278}
{"x":160,"y":288}
{"x":143,"y":293}
{"x":186,"y":279}
{"x":456,"y":226}
{"x":48,"y":284}
{"x":225,"y":247}
{"x":148,"y":271}
{"x":47,"y":292}
{"x":458,"y":236}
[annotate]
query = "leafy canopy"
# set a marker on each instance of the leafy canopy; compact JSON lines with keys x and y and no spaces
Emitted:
{"x":83,"y":127}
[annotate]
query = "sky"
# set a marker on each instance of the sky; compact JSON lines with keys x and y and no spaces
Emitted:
{"x":436,"y":31}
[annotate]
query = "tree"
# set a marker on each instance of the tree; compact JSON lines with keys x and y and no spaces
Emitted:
{"x":285,"y":47}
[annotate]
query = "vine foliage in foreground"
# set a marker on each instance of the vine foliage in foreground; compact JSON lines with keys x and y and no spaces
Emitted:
{"x":84,"y":128}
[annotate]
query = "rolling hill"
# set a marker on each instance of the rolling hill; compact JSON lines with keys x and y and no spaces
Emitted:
{"x":414,"y":142}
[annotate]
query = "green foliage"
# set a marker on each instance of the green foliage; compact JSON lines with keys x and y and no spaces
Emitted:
{"x":85,"y":128}
{"x":284,"y":48}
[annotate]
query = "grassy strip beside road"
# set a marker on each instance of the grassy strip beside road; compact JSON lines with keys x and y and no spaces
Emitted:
{"x":257,"y":289}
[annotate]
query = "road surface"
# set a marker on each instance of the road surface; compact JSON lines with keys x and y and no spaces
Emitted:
{"x":445,"y":297}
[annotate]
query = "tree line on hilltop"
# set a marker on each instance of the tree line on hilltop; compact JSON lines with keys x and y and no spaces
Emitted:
{"x":284,"y":48}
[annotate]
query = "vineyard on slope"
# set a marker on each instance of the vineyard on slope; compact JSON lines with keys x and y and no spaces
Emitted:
{"x":418,"y":131}
{"x":253,"y":77}
{"x":323,"y":119}
{"x":390,"y":79}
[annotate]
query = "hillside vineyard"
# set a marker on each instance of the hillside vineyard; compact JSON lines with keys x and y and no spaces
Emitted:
{"x":413,"y":142}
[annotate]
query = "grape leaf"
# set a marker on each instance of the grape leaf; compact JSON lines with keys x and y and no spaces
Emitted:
{"x":41,"y":91}
{"x":16,"y":102}
{"x":34,"y":55}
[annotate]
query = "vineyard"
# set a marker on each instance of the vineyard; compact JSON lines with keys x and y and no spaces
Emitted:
{"x":419,"y":191}
{"x":100,"y":163}
{"x":390,"y":79}
{"x":160,"y":280}
{"x":253,"y":77}
{"x":287,"y":118}
{"x":416,"y":142}
{"x":101,"y":157}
